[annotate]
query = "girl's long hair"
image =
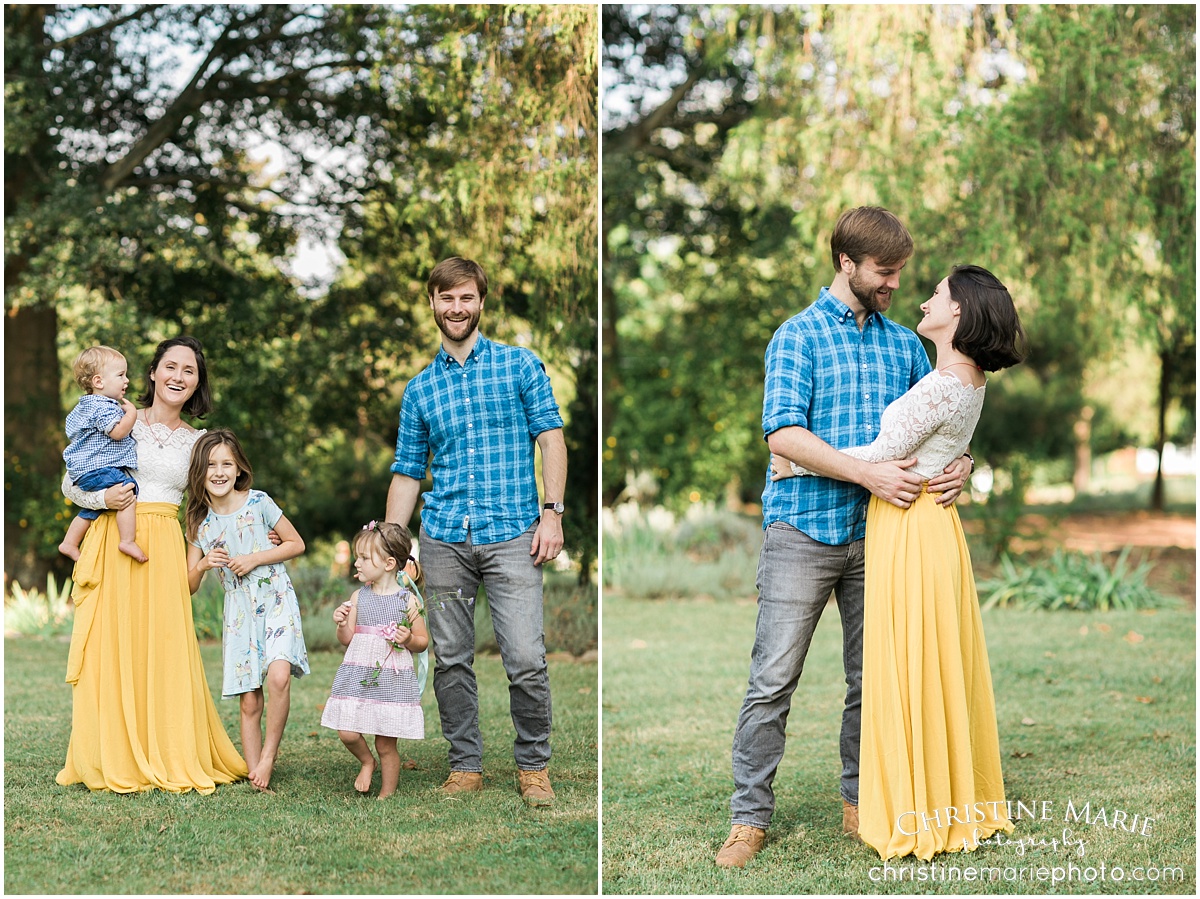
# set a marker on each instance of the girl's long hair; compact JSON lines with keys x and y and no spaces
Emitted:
{"x":197,"y":502}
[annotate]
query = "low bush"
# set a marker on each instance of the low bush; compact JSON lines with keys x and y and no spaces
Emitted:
{"x":33,"y":613}
{"x":709,"y":553}
{"x":1071,"y":580}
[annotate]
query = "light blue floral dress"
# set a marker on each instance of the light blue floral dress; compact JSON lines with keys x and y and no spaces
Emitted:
{"x":262,"y":615}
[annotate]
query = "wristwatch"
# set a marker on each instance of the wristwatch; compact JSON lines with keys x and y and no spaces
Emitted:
{"x":555,"y":507}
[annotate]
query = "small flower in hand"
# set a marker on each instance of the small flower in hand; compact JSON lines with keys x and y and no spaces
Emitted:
{"x":396,"y":635}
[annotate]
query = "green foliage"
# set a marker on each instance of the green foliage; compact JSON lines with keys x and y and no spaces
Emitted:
{"x":1054,"y":145}
{"x":142,"y":206}
{"x":708,"y":554}
{"x":1071,"y":580}
{"x":1005,"y":506}
{"x":32,"y":613}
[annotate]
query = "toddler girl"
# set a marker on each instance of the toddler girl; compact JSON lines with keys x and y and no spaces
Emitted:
{"x":227,"y":526}
{"x":378,"y":686}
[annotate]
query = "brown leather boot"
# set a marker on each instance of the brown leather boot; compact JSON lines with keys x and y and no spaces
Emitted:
{"x":743,"y":844}
{"x":850,"y":820}
{"x":535,"y":787}
{"x":463,"y":782}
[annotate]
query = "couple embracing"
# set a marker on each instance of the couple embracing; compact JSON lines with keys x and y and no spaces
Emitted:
{"x":869,"y":452}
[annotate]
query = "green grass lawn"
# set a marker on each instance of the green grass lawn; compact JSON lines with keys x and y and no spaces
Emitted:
{"x":316,"y":834}
{"x":1093,"y":708}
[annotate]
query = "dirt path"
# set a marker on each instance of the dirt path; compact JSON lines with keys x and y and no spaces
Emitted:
{"x":1110,"y":532}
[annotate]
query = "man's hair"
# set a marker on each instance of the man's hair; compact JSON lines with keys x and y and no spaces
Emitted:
{"x":989,"y":330}
{"x":870,"y":231}
{"x":455,"y":271}
{"x":90,"y":362}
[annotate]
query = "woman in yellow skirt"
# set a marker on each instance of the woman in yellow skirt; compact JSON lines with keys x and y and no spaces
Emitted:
{"x":929,"y":757}
{"x":142,"y":716}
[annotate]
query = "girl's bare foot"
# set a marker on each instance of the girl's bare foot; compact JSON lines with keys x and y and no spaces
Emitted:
{"x":69,"y":550}
{"x":362,"y":783}
{"x":130,"y":549}
{"x":261,"y":775}
{"x":385,"y":793}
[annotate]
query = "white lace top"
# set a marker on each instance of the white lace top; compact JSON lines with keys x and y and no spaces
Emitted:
{"x":161,"y":475}
{"x":933,"y":421}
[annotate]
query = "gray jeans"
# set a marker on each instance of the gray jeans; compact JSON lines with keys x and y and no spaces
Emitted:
{"x":795,"y":577}
{"x":514,"y":592}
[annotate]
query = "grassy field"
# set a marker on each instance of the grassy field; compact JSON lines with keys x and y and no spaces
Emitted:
{"x":1093,"y":708}
{"x":316,"y":835}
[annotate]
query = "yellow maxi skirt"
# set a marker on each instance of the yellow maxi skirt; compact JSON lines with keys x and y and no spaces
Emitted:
{"x":929,"y":760}
{"x":142,"y":717}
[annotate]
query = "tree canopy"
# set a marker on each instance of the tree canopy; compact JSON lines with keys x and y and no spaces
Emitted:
{"x":168,"y":166}
{"x":1053,"y":145}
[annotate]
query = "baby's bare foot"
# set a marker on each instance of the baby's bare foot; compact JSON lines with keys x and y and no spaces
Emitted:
{"x":362,"y":783}
{"x":132,"y":550}
{"x":69,"y":550}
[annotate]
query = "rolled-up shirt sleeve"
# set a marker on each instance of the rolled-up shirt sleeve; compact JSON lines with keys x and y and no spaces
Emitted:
{"x":788,"y":386}
{"x":541,"y":409}
{"x":412,"y":440}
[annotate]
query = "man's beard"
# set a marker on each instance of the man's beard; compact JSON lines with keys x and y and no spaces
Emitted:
{"x":468,"y":326}
{"x":869,"y":299}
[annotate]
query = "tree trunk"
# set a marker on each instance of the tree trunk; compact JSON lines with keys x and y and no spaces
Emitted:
{"x":33,"y":441}
{"x":1083,"y":450}
{"x":1166,"y":376}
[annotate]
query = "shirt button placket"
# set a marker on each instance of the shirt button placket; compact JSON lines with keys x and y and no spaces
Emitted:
{"x":466,"y":390}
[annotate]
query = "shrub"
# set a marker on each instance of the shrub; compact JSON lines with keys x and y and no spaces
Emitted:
{"x":1071,"y":580}
{"x":33,"y":613}
{"x":710,"y":553}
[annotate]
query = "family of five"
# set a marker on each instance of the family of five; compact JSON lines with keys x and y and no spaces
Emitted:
{"x":142,"y":715}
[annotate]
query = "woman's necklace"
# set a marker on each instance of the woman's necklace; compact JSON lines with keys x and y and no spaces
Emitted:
{"x":952,"y":364}
{"x":153,"y":428}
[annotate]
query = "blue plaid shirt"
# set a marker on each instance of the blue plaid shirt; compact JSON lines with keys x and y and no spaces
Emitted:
{"x":480,"y":421}
{"x":826,"y":375}
{"x":89,"y":446}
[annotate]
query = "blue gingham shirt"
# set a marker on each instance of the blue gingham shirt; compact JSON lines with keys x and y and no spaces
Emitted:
{"x":826,"y":375}
{"x":480,"y":420}
{"x":89,"y":447}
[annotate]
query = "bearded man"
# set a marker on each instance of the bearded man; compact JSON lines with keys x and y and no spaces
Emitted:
{"x":479,"y":408}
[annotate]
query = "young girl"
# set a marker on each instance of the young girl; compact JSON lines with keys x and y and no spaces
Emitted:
{"x":377,"y":689}
{"x":227,"y":527}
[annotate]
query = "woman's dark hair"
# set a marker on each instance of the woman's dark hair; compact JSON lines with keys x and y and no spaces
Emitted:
{"x":989,"y":330}
{"x":199,"y":403}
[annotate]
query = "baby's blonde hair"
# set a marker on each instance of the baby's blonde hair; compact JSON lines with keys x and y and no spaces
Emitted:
{"x":89,"y":363}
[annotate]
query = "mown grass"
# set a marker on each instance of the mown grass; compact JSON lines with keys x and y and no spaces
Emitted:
{"x":1092,"y":707}
{"x":316,"y":834}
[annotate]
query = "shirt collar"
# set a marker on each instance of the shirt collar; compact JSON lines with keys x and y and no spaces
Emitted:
{"x":476,"y":354}
{"x":831,"y":305}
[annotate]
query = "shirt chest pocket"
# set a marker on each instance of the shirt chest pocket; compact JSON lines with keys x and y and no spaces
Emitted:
{"x":503,"y":411}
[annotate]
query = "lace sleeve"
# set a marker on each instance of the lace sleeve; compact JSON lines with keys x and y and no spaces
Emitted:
{"x":84,"y":500}
{"x":908,"y":421}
